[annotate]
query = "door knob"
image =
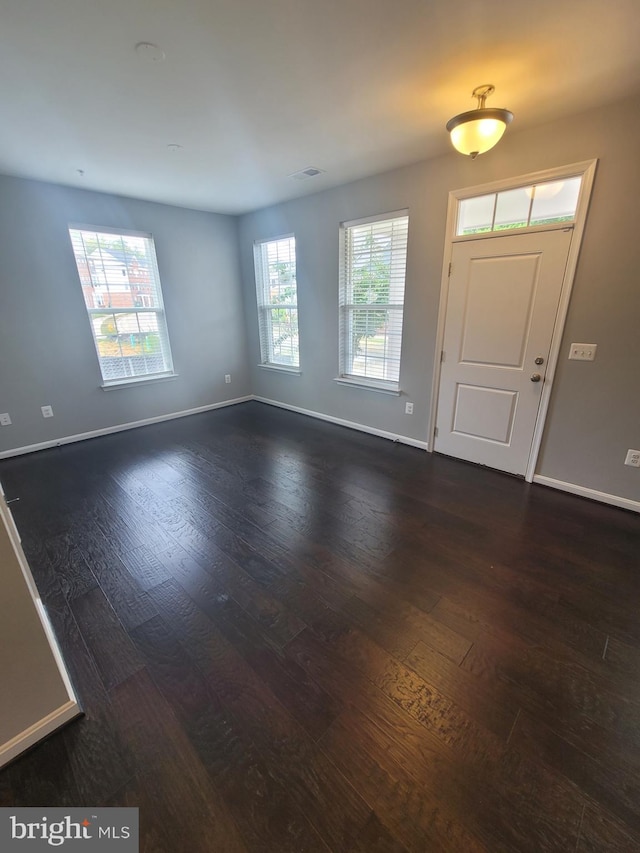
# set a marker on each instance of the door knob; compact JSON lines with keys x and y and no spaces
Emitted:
{"x":539,"y":360}
{"x":535,"y":377}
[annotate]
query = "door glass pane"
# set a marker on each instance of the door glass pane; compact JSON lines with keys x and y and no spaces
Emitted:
{"x":512,"y":209}
{"x":555,"y":201}
{"x":476,"y":214}
{"x":540,"y":204}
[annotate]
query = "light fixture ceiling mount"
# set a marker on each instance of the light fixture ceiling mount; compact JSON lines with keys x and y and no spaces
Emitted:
{"x":476,"y":131}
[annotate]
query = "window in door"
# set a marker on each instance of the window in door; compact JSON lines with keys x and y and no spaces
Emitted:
{"x":546,"y":203}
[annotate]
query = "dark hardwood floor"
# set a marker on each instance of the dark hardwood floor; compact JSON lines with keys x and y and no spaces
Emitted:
{"x":288,"y":636}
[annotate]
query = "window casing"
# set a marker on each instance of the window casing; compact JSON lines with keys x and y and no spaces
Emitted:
{"x":372,"y":283}
{"x":277,"y":298}
{"x":120,"y":283}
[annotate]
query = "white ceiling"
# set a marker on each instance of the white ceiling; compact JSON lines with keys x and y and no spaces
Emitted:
{"x":257,"y":89}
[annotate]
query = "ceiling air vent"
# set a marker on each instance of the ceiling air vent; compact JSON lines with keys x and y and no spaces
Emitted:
{"x":309,"y":172}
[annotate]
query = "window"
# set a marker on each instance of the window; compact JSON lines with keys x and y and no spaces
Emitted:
{"x":372,"y":276}
{"x":277,"y":293}
{"x":121,"y":287}
{"x":546,"y":203}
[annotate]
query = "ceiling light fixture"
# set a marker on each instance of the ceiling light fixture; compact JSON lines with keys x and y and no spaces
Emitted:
{"x":478,"y":130}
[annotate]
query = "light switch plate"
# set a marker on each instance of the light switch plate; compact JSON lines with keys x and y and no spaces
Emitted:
{"x":583,"y":352}
{"x":47,"y":411}
{"x":5,"y":420}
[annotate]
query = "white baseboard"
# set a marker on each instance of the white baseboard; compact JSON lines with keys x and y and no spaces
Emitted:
{"x":584,"y":492}
{"x":53,"y":642}
{"x":29,"y":737}
{"x":392,"y":436}
{"x":69,"y":439}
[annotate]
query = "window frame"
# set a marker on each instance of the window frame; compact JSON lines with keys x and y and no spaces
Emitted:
{"x":265,"y":307}
{"x":159,"y":310}
{"x":346,"y":309}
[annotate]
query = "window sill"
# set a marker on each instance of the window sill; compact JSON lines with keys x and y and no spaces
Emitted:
{"x":281,"y":368}
{"x":136,"y":381}
{"x":380,"y":387}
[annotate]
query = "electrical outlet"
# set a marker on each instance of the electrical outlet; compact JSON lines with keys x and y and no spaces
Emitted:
{"x":5,"y":420}
{"x":583,"y":352}
{"x":408,"y":408}
{"x":227,"y":378}
{"x":47,"y":411}
{"x":633,"y":458}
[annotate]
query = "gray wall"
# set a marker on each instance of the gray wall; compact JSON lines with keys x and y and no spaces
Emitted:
{"x":32,"y":686}
{"x":595,"y":411}
{"x":47,"y":355}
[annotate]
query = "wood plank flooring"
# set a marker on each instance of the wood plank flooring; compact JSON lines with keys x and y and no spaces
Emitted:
{"x":288,"y":636}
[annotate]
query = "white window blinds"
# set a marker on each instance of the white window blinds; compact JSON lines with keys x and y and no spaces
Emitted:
{"x":121,"y":288}
{"x":373,"y":265}
{"x":277,"y":296}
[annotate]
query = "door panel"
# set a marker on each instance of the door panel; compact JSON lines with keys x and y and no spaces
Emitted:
{"x":484,"y":412}
{"x":509,"y":282}
{"x":501,"y":308}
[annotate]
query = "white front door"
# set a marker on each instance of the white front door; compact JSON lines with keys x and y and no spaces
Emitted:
{"x":501,"y":309}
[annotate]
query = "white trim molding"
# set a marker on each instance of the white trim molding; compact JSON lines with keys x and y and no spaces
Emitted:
{"x":71,"y":708}
{"x":35,"y":733}
{"x":381,"y":433}
{"x":585,"y":492}
{"x":136,"y":381}
{"x":69,"y":439}
{"x":281,"y":368}
{"x":369,"y":385}
{"x":53,"y":642}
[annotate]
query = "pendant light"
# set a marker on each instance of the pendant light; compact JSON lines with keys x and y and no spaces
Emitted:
{"x":478,"y":130}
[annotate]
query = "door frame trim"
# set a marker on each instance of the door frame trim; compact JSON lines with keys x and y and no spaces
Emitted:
{"x":586,"y":169}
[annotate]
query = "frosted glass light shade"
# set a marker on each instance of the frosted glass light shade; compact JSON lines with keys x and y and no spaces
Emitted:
{"x":479,"y":130}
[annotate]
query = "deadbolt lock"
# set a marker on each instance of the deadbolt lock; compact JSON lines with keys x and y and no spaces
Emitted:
{"x":539,"y":360}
